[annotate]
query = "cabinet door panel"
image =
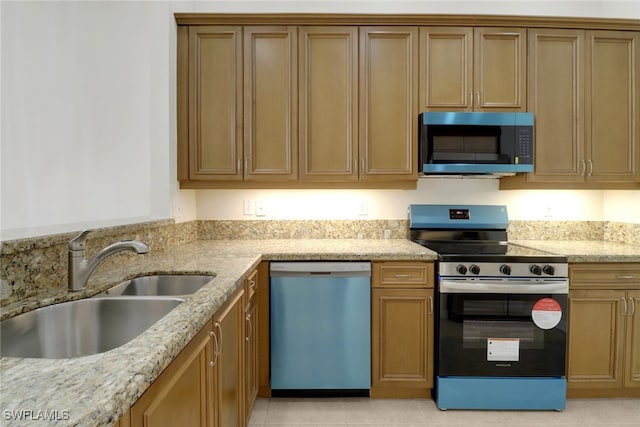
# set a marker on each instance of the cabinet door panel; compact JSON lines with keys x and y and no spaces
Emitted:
{"x":388,"y":102}
{"x":251,"y":357}
{"x":633,"y":340}
{"x":180,"y":395}
{"x":556,"y":65}
{"x":613,"y":106}
{"x":446,"y":69}
{"x":228,"y":384}
{"x":500,"y":68}
{"x":328,"y":103}
{"x":595,"y":339}
{"x":270,"y":81}
{"x":402,"y":319}
{"x":215,"y":103}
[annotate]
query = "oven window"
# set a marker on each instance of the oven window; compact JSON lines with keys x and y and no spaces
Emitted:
{"x":475,"y":333}
{"x":495,"y":334}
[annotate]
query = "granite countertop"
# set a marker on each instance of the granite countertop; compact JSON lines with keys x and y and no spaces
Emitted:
{"x":586,"y":250}
{"x":99,"y":389}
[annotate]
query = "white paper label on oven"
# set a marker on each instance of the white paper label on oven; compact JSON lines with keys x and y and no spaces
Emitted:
{"x":503,"y":349}
{"x":546,"y":313}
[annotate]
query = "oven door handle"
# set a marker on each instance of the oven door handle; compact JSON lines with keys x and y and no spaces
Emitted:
{"x":503,"y":287}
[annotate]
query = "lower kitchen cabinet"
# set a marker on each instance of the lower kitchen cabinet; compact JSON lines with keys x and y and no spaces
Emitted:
{"x":204,"y":385}
{"x":181,"y":395}
{"x":604,"y":331}
{"x":251,"y":338}
{"x":228,"y":376}
{"x":402,"y":329}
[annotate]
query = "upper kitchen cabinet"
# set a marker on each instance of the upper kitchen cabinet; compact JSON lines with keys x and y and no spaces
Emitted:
{"x":237,"y":105}
{"x":317,"y":101}
{"x":328,"y":116}
{"x":271,"y":102}
{"x":472,"y":69}
{"x":556,"y":79}
{"x":388,"y":103}
{"x":612,"y":107}
{"x":210,"y":137}
{"x":583,"y":91}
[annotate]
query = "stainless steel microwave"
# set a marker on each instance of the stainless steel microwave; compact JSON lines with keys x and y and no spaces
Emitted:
{"x":475,"y":143}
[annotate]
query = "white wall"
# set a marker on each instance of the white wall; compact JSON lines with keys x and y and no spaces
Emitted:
{"x":392,"y":204}
{"x":88,"y":117}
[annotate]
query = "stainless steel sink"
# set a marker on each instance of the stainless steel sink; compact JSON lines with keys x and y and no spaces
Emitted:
{"x":160,"y":285}
{"x":81,"y":328}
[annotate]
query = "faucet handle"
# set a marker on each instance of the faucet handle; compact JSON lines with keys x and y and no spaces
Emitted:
{"x":77,"y":243}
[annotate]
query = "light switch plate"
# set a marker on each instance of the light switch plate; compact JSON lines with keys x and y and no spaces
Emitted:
{"x":249,"y":207}
{"x":363,"y":208}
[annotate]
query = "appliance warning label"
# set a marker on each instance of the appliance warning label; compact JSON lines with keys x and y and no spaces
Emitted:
{"x":546,"y":313}
{"x":503,"y":349}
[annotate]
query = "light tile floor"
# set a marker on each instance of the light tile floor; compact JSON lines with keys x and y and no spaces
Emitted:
{"x":351,"y":412}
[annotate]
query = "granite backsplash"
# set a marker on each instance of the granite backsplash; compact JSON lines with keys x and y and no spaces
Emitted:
{"x":36,"y":267}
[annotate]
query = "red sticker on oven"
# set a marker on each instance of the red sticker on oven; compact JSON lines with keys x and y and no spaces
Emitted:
{"x":546,"y":313}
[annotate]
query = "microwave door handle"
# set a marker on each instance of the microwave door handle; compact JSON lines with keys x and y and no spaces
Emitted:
{"x":503,"y":287}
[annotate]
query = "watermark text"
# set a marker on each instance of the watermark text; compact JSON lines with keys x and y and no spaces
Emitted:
{"x":36,"y":415}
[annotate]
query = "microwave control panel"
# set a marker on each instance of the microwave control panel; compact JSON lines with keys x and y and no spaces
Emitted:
{"x":524,"y":144}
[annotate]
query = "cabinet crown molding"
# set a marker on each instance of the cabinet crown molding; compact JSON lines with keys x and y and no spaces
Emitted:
{"x":406,"y":19}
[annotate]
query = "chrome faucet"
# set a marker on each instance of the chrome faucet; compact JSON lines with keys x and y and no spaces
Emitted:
{"x":80,"y":269}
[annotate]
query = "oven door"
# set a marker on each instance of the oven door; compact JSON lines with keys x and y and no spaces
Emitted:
{"x":495,"y":329}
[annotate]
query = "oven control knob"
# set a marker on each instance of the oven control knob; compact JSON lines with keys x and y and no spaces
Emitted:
{"x":536,"y":269}
{"x":505,"y":269}
{"x":548,"y":269}
{"x":474,"y":269}
{"x":461,"y":269}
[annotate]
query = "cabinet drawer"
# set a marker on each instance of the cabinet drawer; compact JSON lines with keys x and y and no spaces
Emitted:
{"x":402,"y":274}
{"x":610,"y":275}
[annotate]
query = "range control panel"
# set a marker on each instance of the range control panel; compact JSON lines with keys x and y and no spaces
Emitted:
{"x":506,"y":270}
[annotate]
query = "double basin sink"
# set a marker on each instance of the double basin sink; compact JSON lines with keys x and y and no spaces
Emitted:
{"x":98,"y":324}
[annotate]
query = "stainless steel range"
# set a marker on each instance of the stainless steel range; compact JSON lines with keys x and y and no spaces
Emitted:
{"x":501,"y":324}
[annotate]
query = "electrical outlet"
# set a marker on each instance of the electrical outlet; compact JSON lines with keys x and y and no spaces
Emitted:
{"x":177,"y":209}
{"x":260,"y":209}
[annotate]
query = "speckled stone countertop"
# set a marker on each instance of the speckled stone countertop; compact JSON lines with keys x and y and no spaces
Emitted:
{"x":586,"y":250}
{"x":99,"y":389}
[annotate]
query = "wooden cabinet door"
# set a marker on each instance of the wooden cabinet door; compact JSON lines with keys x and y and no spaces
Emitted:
{"x":613,"y":106}
{"x":214,"y":149}
{"x":328,"y":116}
{"x":499,"y":72}
{"x":632,"y":357}
{"x":229,"y":373}
{"x":446,"y":69}
{"x":402,"y":339}
{"x":556,"y":81}
{"x":466,"y":69}
{"x":251,"y":340}
{"x":271,"y":103}
{"x":388,"y":103}
{"x":251,"y":355}
{"x":596,"y":339}
{"x":181,"y":395}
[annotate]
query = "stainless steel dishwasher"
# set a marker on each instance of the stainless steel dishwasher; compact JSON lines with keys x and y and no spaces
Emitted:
{"x":320,"y":328}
